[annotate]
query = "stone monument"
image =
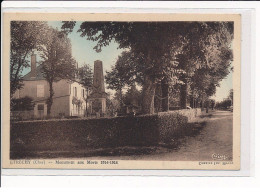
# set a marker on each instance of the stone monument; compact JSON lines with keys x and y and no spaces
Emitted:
{"x":97,"y":98}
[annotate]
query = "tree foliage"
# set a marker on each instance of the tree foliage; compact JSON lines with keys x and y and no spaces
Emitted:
{"x":57,"y":60}
{"x":127,"y":71}
{"x":178,"y":51}
{"x":85,"y":75}
{"x":22,"y":104}
{"x":132,"y":96}
{"x":230,"y":96}
{"x":25,"y":36}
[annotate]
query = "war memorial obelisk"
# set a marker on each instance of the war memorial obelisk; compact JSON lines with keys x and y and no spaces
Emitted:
{"x":97,"y":98}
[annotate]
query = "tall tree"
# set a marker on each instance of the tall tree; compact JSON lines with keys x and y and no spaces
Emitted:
{"x":127,"y":72}
{"x":158,"y":45}
{"x":58,"y":62}
{"x":205,"y":57}
{"x":150,"y":40}
{"x":132,"y":96}
{"x":116,"y":82}
{"x":231,"y":97}
{"x":25,"y":36}
{"x":85,"y":76}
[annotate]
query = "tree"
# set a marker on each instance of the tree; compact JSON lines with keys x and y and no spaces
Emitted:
{"x":158,"y":44}
{"x":150,"y":40}
{"x":25,"y":36}
{"x":132,"y":96}
{"x":205,"y":57}
{"x":116,"y":82}
{"x":58,"y":62}
{"x":126,"y":73}
{"x":118,"y":101}
{"x":85,"y":76}
{"x":212,"y":103}
{"x":224,"y":104}
{"x":230,"y":96}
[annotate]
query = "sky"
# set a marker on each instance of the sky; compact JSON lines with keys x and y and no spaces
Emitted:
{"x":223,"y":91}
{"x":83,"y":52}
{"x":82,"y":49}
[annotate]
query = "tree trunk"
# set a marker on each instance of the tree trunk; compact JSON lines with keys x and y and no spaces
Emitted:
{"x":50,"y":99}
{"x":183,"y":96}
{"x":148,"y":96}
{"x":15,"y":81}
{"x":202,"y":103}
{"x":165,"y":95}
{"x":192,"y":102}
{"x":157,"y":99}
{"x":207,"y":107}
{"x":86,"y":100}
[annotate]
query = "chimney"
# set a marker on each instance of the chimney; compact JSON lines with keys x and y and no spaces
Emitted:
{"x":33,"y":65}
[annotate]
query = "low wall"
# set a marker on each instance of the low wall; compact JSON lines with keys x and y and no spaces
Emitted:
{"x":189,"y":113}
{"x":70,"y":135}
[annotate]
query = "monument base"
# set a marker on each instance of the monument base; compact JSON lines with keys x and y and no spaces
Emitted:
{"x":97,"y":106}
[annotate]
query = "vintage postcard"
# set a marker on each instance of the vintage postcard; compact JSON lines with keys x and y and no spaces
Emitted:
{"x":121,"y":91}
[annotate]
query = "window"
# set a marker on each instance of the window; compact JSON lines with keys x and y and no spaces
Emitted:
{"x":40,"y":90}
{"x":83,"y":95}
{"x":40,"y":107}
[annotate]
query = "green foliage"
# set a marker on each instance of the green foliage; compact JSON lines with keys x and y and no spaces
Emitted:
{"x":230,"y":96}
{"x":223,"y":104}
{"x":69,"y":135}
{"x":151,"y":41}
{"x":126,"y":72}
{"x":217,"y":58}
{"x":22,"y":104}
{"x":85,"y":76}
{"x":57,"y":60}
{"x":56,"y":54}
{"x":132,"y":96}
{"x":181,"y":52}
{"x":172,"y":126}
{"x":114,"y":79}
{"x":67,"y":27}
{"x":118,"y":100}
{"x":25,"y":36}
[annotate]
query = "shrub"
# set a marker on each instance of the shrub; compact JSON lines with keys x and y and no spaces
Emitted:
{"x":22,"y":104}
{"x":171,"y":126}
{"x":71,"y":135}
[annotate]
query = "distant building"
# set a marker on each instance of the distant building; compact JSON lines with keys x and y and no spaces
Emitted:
{"x":69,"y":96}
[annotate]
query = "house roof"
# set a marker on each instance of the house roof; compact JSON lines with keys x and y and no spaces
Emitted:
{"x":39,"y":75}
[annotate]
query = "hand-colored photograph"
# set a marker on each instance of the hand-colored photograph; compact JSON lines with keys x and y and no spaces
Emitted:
{"x":106,"y":92}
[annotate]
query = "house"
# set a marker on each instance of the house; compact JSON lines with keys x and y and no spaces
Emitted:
{"x":69,"y":96}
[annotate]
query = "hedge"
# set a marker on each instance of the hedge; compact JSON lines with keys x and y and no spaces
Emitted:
{"x":79,"y":134}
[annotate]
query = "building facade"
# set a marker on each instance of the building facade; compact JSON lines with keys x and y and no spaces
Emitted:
{"x":69,"y":96}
